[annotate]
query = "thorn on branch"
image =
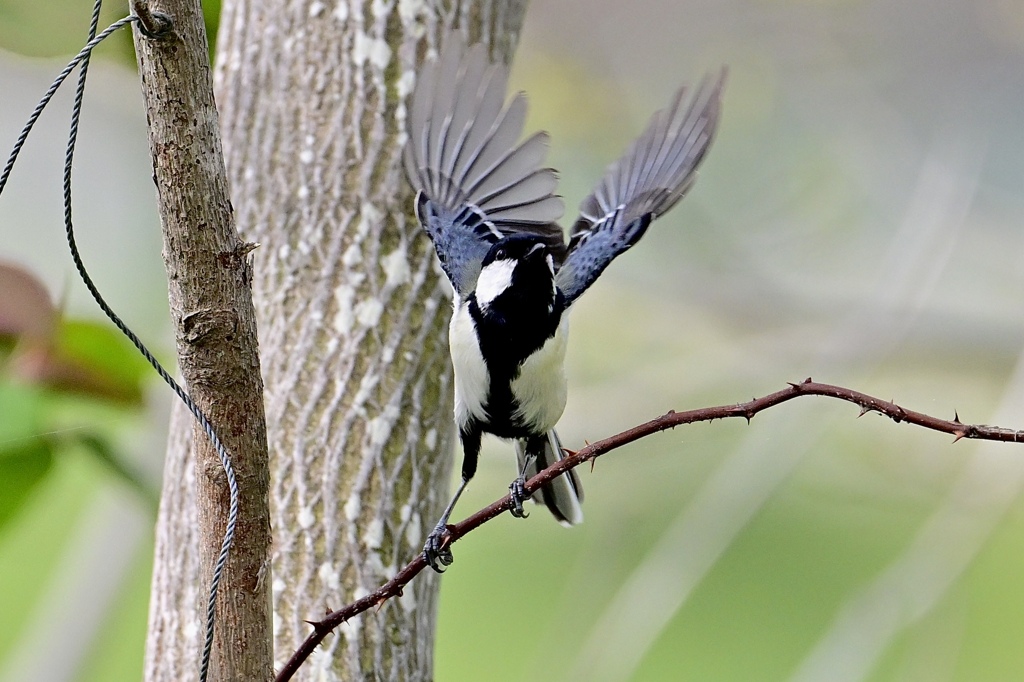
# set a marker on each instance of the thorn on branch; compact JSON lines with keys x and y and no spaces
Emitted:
{"x":864,"y":409}
{"x":319,"y":626}
{"x":956,"y":417}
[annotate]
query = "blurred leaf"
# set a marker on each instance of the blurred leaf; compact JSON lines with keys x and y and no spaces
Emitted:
{"x":96,"y":359}
{"x":105,"y":452}
{"x":25,"y":308}
{"x":25,"y":455}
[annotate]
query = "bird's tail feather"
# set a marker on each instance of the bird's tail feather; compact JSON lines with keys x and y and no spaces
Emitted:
{"x":564,"y":495}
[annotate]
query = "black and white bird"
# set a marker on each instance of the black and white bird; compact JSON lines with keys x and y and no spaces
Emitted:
{"x":488,"y":205}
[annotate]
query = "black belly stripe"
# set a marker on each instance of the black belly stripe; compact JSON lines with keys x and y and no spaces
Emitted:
{"x":506,"y":341}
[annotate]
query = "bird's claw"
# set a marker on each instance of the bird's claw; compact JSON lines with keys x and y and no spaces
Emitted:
{"x":517,"y":491}
{"x":436,"y":552}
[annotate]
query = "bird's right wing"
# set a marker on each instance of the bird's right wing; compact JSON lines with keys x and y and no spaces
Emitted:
{"x":649,"y":179}
{"x":475,"y":182}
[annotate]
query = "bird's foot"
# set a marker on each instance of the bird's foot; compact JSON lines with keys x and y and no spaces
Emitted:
{"x":436,"y":551}
{"x":517,"y":491}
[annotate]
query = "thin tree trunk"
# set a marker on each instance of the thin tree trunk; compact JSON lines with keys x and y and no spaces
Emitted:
{"x":352,"y":309}
{"x":215,"y":323}
{"x":352,"y":314}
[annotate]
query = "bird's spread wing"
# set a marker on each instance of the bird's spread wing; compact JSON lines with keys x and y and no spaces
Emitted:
{"x":475,"y":181}
{"x":654,"y":173}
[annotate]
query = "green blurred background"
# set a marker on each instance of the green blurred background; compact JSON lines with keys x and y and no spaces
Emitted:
{"x":858,"y":221}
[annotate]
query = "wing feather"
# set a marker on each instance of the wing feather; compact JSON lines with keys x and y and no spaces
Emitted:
{"x":475,"y":182}
{"x":652,"y":176}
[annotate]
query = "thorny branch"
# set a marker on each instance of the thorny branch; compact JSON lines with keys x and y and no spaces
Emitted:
{"x":747,"y":410}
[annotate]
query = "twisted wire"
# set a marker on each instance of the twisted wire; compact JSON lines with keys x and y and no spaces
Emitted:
{"x":82,"y":58}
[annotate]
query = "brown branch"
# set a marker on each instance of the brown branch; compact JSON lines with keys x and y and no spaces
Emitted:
{"x":218,"y":353}
{"x":746,"y":410}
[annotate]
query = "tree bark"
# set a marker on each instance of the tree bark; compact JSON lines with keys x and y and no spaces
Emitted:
{"x":211,"y":306}
{"x":352,"y":310}
{"x":351,"y":306}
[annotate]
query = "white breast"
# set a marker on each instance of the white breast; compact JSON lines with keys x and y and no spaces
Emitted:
{"x":472,"y":379}
{"x":541,"y":388}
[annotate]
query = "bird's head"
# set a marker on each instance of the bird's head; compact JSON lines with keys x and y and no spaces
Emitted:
{"x":518,"y":273}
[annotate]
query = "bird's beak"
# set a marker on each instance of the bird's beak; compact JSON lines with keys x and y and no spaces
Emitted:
{"x":537,"y":250}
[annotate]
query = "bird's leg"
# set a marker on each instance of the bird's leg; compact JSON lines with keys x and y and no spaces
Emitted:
{"x":437,"y":554}
{"x":517,"y":489}
{"x":435,"y":551}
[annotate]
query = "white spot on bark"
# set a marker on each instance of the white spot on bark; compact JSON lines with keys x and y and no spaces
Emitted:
{"x":373,"y":537}
{"x":379,"y":428}
{"x":430,"y":440}
{"x":344,"y":318}
{"x":353,"y":254}
{"x":396,"y":268}
{"x":316,"y":9}
{"x":329,"y":575}
{"x":191,"y":631}
{"x":306,"y":518}
{"x":369,"y":216}
{"x":367,"y":48}
{"x":413,"y":533}
{"x":284,"y":252}
{"x":379,"y":9}
{"x":340,"y":10}
{"x":352,"y":507}
{"x":278,"y":586}
{"x":374,"y":566}
{"x":306,"y":156}
{"x":405,"y":512}
{"x":368,"y":312}
{"x":408,"y":599}
{"x":410,"y":10}
{"x":321,"y":664}
{"x":406,"y":82}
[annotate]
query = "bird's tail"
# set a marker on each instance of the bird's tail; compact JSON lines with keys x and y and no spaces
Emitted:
{"x":564,"y":495}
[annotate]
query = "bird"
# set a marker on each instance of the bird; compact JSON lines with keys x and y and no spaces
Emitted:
{"x":488,"y":204}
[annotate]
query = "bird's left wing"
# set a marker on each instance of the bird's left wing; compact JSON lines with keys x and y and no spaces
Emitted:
{"x":650,"y":178}
{"x":475,"y":182}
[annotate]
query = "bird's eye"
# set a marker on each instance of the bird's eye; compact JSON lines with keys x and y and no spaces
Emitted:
{"x":499,"y":254}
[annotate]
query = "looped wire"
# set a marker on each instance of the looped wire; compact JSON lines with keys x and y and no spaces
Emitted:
{"x":154,"y":25}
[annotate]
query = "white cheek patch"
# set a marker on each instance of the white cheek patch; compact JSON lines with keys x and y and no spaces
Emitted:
{"x":495,"y":278}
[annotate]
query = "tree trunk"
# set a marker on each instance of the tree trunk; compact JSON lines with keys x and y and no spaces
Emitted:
{"x":352,"y":311}
{"x":352,"y":321}
{"x":211,"y":306}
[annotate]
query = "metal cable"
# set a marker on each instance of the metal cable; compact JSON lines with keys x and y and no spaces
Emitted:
{"x":83,"y":58}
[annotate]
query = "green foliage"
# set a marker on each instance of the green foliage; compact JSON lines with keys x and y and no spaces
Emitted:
{"x":25,"y":455}
{"x":51,"y":367}
{"x":58,"y":27}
